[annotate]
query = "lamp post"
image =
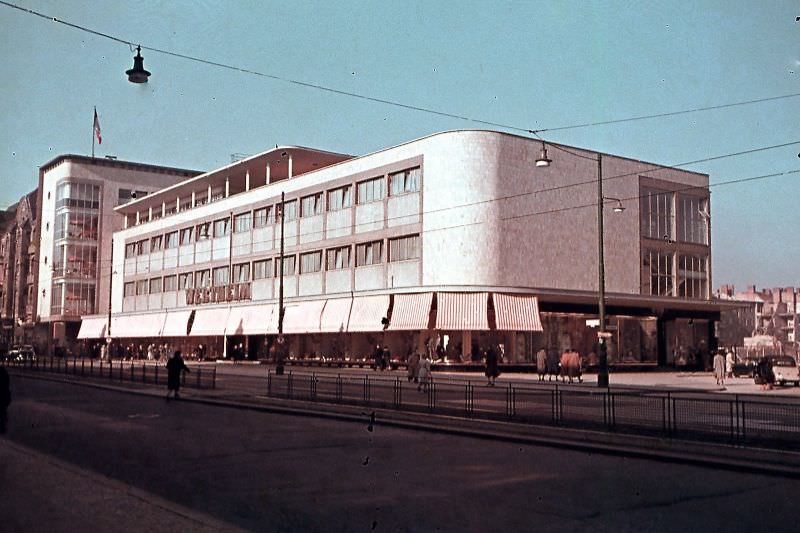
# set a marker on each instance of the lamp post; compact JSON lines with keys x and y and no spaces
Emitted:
{"x":279,"y":353}
{"x":544,"y":161}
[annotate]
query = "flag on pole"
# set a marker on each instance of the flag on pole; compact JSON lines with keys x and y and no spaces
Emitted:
{"x":97,"y":128}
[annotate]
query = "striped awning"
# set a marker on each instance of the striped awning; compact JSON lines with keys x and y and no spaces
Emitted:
{"x":93,"y":328}
{"x":462,"y":311}
{"x":251,"y":320}
{"x":516,"y":312}
{"x":137,"y":326}
{"x":210,"y":322}
{"x":411,"y":311}
{"x":336,"y":315}
{"x":302,"y":317}
{"x":367,"y":313}
{"x":176,"y":323}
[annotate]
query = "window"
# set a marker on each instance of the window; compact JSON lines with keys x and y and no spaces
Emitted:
{"x":185,"y":281}
{"x":241,"y":273}
{"x":656,"y":207}
{"x":155,"y":285}
{"x":218,"y":193}
{"x":203,"y":231}
{"x":339,"y":258}
{"x":404,"y":248}
{"x":310,"y":262}
{"x":124,"y":196}
{"x":156,"y":214}
{"x":370,"y":190}
{"x":143,"y":247}
{"x":171,"y":240}
{"x":222,"y":227}
{"x":130,"y":250}
{"x":141,"y":287}
{"x":185,"y":206}
{"x":404,"y":181}
{"x":691,"y":222}
{"x":144,"y":216}
{"x":201,"y":198}
{"x":76,"y":225}
{"x":692,"y":276}
{"x":81,"y":195}
{"x":657,"y":273}
{"x":262,"y":217}
{"x":169,"y":209}
{"x":311,"y":205}
{"x":340,"y":198}
{"x":73,"y":298}
{"x":170,"y":283}
{"x":290,"y":210}
{"x":130,"y":289}
{"x":202,"y":278}
{"x":368,"y":253}
{"x":221,"y":276}
{"x":187,"y":236}
{"x":262,"y":269}
{"x":288,"y":266}
{"x":241,"y":223}
{"x":157,"y":243}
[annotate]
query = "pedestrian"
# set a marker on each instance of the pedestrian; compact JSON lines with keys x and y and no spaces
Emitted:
{"x":425,"y":376}
{"x":5,"y":398}
{"x":413,"y":368}
{"x":491,"y":367}
{"x":764,"y":375}
{"x":552,"y":365}
{"x":729,"y":364}
{"x":174,"y":368}
{"x":378,"y":356}
{"x":541,"y":363}
{"x":719,"y":368}
{"x":386,"y":357}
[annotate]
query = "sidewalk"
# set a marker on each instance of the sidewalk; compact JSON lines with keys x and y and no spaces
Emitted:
{"x":42,"y":493}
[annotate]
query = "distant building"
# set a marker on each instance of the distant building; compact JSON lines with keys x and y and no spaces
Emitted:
{"x":769,"y":312}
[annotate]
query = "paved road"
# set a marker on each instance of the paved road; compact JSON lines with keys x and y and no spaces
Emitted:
{"x":270,"y":472}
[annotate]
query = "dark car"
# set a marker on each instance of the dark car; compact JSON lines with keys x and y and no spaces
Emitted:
{"x":745,"y":367}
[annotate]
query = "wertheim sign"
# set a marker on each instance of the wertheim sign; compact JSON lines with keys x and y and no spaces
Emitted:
{"x":237,"y":292}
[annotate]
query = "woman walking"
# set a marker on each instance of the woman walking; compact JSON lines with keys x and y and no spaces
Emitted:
{"x":174,"y":368}
{"x":491,"y":367}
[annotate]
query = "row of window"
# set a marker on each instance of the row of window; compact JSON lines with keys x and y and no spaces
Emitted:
{"x":660,"y":269}
{"x":658,"y":209}
{"x":81,"y":195}
{"x":368,"y":253}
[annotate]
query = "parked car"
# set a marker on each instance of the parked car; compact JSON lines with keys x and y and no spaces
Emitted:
{"x":745,"y":367}
{"x":784,"y":367}
{"x":22,"y":353}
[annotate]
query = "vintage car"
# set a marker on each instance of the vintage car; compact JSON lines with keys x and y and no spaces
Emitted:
{"x":784,"y":368}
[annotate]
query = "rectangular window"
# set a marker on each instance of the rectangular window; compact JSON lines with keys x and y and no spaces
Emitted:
{"x":203,"y":231}
{"x":185,"y":281}
{"x":155,"y":285}
{"x":221,"y":276}
{"x":187,"y":236}
{"x":404,"y":248}
{"x":310,"y":262}
{"x":143,"y":247}
{"x":656,"y":208}
{"x":201,"y":198}
{"x":130,"y":250}
{"x":311,"y":205}
{"x":241,"y":223}
{"x":222,"y":227}
{"x":340,"y":198}
{"x":692,"y":219}
{"x":130,"y":289}
{"x":657,"y":273}
{"x":124,"y":196}
{"x":171,"y":240}
{"x":170,"y":283}
{"x":217,"y":193}
{"x":288,"y":265}
{"x":157,"y":243}
{"x":692,"y":276}
{"x":369,"y":253}
{"x":202,"y":278}
{"x":262,"y":269}
{"x":370,"y":190}
{"x":144,"y":216}
{"x":141,"y":287}
{"x":290,"y":210}
{"x":241,"y":273}
{"x":262,"y":217}
{"x":404,"y":181}
{"x":339,"y":258}
{"x":156,"y":214}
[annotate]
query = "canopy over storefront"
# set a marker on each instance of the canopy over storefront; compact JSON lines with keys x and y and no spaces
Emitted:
{"x":411,"y":311}
{"x":459,"y":311}
{"x":93,"y":327}
{"x":516,"y":312}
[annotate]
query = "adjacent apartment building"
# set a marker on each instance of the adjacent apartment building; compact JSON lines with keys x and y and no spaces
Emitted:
{"x":457,"y":239}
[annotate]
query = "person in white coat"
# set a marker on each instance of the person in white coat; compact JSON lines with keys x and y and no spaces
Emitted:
{"x":425,"y":377}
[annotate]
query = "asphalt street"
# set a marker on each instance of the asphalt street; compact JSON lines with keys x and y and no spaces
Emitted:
{"x":269,"y":472}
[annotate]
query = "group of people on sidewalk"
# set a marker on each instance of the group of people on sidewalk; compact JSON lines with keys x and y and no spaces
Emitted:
{"x":419,"y":371}
{"x":566,"y":367}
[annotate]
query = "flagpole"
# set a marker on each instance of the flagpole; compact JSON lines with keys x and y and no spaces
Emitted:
{"x":94,"y":122}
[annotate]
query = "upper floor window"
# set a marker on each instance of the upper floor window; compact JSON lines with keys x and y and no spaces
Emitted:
{"x":129,"y":289}
{"x":657,"y":273}
{"x":202,"y":278}
{"x":76,"y":225}
{"x":404,"y":248}
{"x":201,"y":198}
{"x":222,"y":227}
{"x":143,"y":247}
{"x":221,"y":276}
{"x":311,"y":205}
{"x":290,"y":210}
{"x":141,"y":287}
{"x":339,"y":258}
{"x":130,"y":250}
{"x":241,"y":273}
{"x":185,"y":281}
{"x":81,"y":195}
{"x":370,"y":190}
{"x":692,"y":219}
{"x":656,"y":208}
{"x":187,"y":236}
{"x":218,"y":193}
{"x":310,"y":262}
{"x":169,"y":209}
{"x":288,"y":265}
{"x":170,"y":283}
{"x":155,"y":285}
{"x":186,"y":205}
{"x":203,"y":231}
{"x":262,"y":269}
{"x":340,"y":198}
{"x":262,"y":217}
{"x":692,"y":276}
{"x":144,"y":216}
{"x":128,"y":195}
{"x":369,"y":253}
{"x":157,"y":243}
{"x":171,"y":240}
{"x":404,"y":181}
{"x":241,"y":223}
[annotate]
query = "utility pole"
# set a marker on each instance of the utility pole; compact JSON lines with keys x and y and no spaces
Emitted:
{"x":279,"y":353}
{"x":110,"y":287}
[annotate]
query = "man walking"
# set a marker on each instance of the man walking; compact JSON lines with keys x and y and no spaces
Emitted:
{"x":174,"y":368}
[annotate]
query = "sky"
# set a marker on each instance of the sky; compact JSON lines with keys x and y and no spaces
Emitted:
{"x":533,"y":65}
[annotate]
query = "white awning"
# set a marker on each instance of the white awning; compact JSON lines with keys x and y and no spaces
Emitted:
{"x":367,"y":313}
{"x":93,"y":328}
{"x":303,"y":317}
{"x":210,"y":322}
{"x":516,"y":312}
{"x":462,"y":311}
{"x":251,"y":320}
{"x":335,"y":315}
{"x":137,"y":326}
{"x":177,"y":323}
{"x":411,"y":311}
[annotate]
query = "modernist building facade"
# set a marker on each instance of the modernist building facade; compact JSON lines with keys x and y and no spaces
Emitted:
{"x":76,"y":198}
{"x":457,"y":239}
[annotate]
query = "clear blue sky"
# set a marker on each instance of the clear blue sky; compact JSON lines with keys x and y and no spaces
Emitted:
{"x":532,"y":64}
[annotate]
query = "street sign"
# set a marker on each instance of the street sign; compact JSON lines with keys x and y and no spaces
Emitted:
{"x":604,"y":334}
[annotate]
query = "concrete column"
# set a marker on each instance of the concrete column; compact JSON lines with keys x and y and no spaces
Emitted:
{"x":247,"y":180}
{"x":150,"y":213}
{"x":268,"y":174}
{"x":466,"y":346}
{"x":125,"y":224}
{"x":163,"y":209}
{"x":177,"y":204}
{"x":227,"y":186}
{"x":137,"y":217}
{"x":194,"y":198}
{"x":208,"y":198}
{"x":290,"y":165}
